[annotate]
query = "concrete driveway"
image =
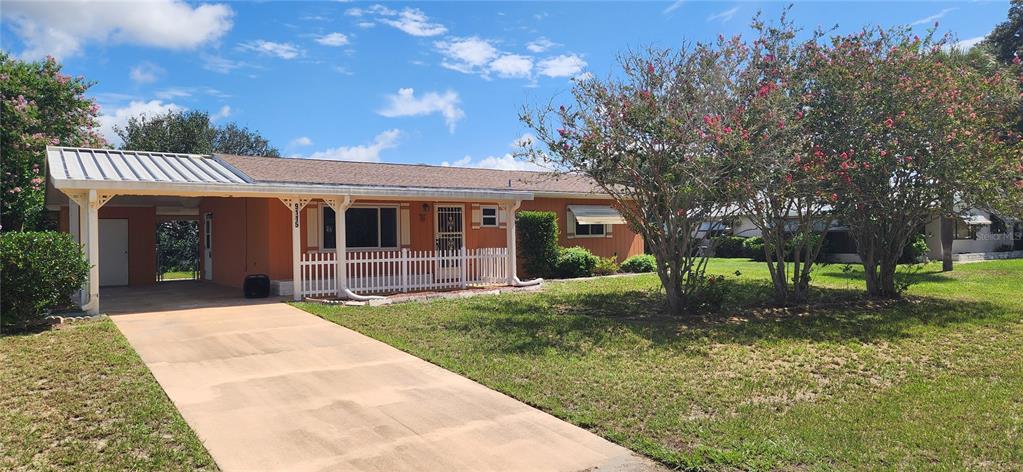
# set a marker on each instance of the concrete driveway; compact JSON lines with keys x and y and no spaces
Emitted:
{"x":270,"y":387}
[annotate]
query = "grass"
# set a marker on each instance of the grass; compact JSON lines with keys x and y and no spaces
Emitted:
{"x":79,"y":398}
{"x":930,"y":382}
{"x":178,"y":275}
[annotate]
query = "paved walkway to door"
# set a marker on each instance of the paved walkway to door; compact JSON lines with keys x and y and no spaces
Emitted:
{"x":269,"y":387}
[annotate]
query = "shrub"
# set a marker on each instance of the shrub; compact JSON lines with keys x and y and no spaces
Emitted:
{"x":538,"y":241}
{"x":639,"y":263}
{"x":916,"y":251}
{"x":730,"y":247}
{"x":606,"y":266}
{"x":576,"y":262}
{"x":754,"y":248}
{"x":40,"y":271}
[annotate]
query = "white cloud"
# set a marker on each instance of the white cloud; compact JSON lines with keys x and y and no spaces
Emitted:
{"x":119,"y":117}
{"x":724,"y":16}
{"x":301,"y":141}
{"x":413,"y":21}
{"x":223,"y":112}
{"x":405,"y":103}
{"x":145,"y":73}
{"x":966,"y":44}
{"x":185,"y":92}
{"x":505,"y":162}
{"x":62,"y":30}
{"x":220,"y":64}
{"x":512,"y":65}
{"x":333,"y":39}
{"x":523,"y":141}
{"x":365,"y":24}
{"x":540,"y":45}
{"x":674,"y":6}
{"x":363,"y":152}
{"x":937,"y":16}
{"x":561,"y":66}
{"x":466,"y":55}
{"x":583,"y":77}
{"x":270,"y":48}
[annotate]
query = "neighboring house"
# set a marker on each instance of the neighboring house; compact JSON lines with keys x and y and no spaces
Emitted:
{"x":977,"y":235}
{"x":405,"y":227}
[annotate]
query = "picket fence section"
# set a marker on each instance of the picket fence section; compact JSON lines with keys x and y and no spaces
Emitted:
{"x":403,"y":270}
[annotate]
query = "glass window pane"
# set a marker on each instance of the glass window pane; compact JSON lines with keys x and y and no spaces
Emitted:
{"x":388,"y":227}
{"x":328,"y":228}
{"x":361,"y":227}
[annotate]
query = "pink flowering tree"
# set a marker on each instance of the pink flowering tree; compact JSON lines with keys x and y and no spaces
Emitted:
{"x":643,"y":137}
{"x":779,"y":176}
{"x":907,"y":128}
{"x":40,"y":106}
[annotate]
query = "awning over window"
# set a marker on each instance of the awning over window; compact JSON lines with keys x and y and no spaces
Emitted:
{"x":975,"y":219}
{"x":596,"y":215}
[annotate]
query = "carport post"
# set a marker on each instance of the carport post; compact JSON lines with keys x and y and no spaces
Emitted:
{"x":340,"y":207}
{"x":76,"y":221}
{"x":510,"y":242}
{"x":296,"y":205}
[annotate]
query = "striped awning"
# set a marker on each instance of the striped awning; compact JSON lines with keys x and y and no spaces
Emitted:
{"x":596,"y":215}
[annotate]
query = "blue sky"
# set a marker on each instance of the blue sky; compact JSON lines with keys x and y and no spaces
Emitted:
{"x":428,"y":82}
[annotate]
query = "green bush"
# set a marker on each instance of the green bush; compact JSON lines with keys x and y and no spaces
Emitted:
{"x":606,"y":266}
{"x":640,"y":263}
{"x":40,"y":271}
{"x":575,"y":262}
{"x":754,"y":248}
{"x":730,"y":247}
{"x":538,"y":241}
{"x":915,"y":251}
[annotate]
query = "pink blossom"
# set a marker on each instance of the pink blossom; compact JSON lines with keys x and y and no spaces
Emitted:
{"x":889,"y":122}
{"x":1015,"y":60}
{"x":884,"y":153}
{"x":728,"y":129}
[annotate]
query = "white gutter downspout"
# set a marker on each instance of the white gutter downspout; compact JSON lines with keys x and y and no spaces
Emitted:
{"x":513,"y":278}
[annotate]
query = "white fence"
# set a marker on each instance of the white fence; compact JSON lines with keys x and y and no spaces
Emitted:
{"x":404,"y":270}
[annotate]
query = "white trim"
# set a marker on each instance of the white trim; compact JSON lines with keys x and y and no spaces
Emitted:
{"x":397,"y":227}
{"x":483,"y":216}
{"x":572,"y":226}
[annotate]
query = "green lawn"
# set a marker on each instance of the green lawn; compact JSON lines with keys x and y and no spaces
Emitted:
{"x":79,"y":398}
{"x":178,"y":275}
{"x":932,"y":382}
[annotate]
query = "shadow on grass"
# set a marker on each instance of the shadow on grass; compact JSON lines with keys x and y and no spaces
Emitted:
{"x":926,"y":275}
{"x":569,"y":321}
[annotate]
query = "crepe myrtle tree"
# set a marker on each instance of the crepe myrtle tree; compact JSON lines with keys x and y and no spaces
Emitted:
{"x":780,"y":184}
{"x":905,"y":129}
{"x":642,"y":137}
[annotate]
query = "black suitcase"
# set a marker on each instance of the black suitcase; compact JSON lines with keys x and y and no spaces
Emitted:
{"x":257,"y":286}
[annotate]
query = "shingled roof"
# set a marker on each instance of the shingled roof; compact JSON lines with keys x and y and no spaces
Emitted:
{"x":316,"y":171}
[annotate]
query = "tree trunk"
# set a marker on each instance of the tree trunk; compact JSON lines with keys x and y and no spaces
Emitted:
{"x":887,"y":276}
{"x":946,"y":225}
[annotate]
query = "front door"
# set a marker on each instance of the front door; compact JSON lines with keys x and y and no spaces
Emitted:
{"x":449,"y":237}
{"x":113,"y":252}
{"x":208,"y":245}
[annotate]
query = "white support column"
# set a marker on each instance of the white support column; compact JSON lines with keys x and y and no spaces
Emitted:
{"x":92,"y":201}
{"x":296,"y":204}
{"x":511,"y":242}
{"x":75,"y":221}
{"x":340,"y":206}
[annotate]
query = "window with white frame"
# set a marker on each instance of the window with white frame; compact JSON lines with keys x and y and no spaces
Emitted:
{"x":489,"y":216}
{"x":365,"y":228}
{"x":589,"y":230}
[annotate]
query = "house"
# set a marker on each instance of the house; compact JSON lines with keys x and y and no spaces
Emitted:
{"x":405,"y":227}
{"x":976,"y":235}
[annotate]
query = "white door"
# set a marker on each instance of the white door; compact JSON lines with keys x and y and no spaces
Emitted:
{"x":208,"y":244}
{"x":449,"y":237}
{"x":113,"y":252}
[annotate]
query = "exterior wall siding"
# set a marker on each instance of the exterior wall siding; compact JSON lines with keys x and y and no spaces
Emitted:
{"x":141,"y":239}
{"x":624,"y":241}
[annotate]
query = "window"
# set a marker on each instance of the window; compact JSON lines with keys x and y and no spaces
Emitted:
{"x":964,"y":231}
{"x":589,"y":230}
{"x":998,"y":225}
{"x":365,"y":227}
{"x":489,"y":216}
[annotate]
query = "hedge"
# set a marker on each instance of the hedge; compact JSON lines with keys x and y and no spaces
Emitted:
{"x":639,"y":263}
{"x":575,"y":262}
{"x":538,"y":241}
{"x":40,"y":271}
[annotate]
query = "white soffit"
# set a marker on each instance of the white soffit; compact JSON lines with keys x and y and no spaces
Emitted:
{"x":111,"y":165}
{"x":596,"y":215}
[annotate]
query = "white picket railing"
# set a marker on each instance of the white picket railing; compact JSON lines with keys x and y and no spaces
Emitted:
{"x":404,"y":270}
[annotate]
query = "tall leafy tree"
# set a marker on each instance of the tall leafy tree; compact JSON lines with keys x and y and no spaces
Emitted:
{"x":192,"y":132}
{"x":1006,"y":40}
{"x":779,"y":180}
{"x":905,"y":130}
{"x":40,"y":106}
{"x":643,"y":139}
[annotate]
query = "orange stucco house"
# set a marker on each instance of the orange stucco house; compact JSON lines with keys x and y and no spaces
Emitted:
{"x":405,"y":227}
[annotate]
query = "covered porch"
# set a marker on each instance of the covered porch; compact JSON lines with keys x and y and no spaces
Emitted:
{"x":395,"y":239}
